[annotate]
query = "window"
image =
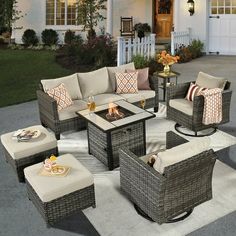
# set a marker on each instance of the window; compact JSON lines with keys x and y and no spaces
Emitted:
{"x":223,"y":7}
{"x":61,"y":12}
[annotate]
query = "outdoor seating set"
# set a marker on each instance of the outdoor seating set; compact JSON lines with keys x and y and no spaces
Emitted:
{"x":181,"y":176}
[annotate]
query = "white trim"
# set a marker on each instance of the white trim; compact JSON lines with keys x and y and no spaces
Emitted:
{"x":109,"y":17}
{"x":207,"y":26}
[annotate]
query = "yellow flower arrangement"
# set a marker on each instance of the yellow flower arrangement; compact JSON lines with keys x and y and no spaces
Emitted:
{"x":166,"y":59}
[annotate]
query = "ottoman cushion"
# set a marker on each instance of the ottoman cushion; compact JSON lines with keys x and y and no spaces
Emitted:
{"x":17,"y":150}
{"x":50,"y":188}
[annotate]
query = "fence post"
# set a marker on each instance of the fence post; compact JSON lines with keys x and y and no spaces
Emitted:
{"x":119,"y":51}
{"x":172,"y":43}
{"x":189,"y":35}
{"x":153,"y":44}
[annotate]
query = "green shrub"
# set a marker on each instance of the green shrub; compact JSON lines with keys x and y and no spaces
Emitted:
{"x":69,"y":37}
{"x":50,"y":37}
{"x":196,"y":48}
{"x":139,"y":61}
{"x":142,"y":62}
{"x":29,"y":37}
{"x":184,"y":53}
{"x":91,"y":54}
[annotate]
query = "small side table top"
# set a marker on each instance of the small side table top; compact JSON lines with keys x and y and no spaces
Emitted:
{"x":166,"y":77}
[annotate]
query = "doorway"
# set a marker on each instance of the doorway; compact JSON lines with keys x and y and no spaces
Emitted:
{"x":163,"y":20}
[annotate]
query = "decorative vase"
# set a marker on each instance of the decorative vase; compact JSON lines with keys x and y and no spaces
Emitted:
{"x":166,"y":69}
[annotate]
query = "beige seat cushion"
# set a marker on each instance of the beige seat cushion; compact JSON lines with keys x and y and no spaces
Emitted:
{"x":120,"y":69}
{"x":94,"y":82}
{"x":50,"y":188}
{"x":180,"y":153}
{"x":208,"y":81}
{"x":71,"y":84}
{"x":135,"y":97}
{"x":182,"y":105}
{"x":18,"y":150}
{"x":106,"y":98}
{"x":69,"y":112}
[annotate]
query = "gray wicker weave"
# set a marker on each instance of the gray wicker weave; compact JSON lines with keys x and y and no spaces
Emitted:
{"x":62,"y":207}
{"x":19,"y":164}
{"x":49,"y":114}
{"x":194,"y":122}
{"x":105,"y":148}
{"x":179,"y":189}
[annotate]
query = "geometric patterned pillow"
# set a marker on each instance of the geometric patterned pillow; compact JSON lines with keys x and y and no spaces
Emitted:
{"x":127,"y":82}
{"x":61,"y":95}
{"x":194,"y":90}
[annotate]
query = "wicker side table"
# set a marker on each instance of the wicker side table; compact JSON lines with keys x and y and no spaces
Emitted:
{"x":58,"y":197}
{"x":22,"y":154}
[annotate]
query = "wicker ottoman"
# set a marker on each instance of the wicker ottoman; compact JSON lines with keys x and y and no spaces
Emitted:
{"x":23,"y":154}
{"x":56,"y":197}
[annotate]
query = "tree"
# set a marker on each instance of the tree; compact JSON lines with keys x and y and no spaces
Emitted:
{"x":89,"y":13}
{"x":8,"y":13}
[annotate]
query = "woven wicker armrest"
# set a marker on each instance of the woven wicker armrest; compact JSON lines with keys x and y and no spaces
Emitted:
{"x":177,"y":91}
{"x":173,"y":139}
{"x":153,"y":80}
{"x":138,"y":172}
{"x":47,"y":106}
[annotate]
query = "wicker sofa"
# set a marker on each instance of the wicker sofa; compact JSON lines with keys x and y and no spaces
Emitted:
{"x":181,"y":186}
{"x":100,"y":84}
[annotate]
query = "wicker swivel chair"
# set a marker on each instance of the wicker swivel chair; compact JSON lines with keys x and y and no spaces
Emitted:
{"x":162,"y":197}
{"x":176,"y":94}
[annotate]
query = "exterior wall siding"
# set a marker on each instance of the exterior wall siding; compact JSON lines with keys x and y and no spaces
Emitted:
{"x":141,"y":10}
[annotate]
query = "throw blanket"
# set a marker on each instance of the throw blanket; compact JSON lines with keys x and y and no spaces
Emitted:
{"x":212,"y":113}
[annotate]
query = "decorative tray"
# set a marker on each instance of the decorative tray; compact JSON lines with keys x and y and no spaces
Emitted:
{"x":60,"y":171}
{"x":26,"y":134}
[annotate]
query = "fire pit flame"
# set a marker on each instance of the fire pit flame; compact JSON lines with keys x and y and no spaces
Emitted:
{"x":114,"y":113}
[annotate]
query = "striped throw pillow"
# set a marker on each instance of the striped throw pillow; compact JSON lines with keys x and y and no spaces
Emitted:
{"x":127,"y":82}
{"x":61,"y":95}
{"x":194,"y":90}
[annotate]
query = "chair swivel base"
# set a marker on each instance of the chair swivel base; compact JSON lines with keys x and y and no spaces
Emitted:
{"x":178,"y":126}
{"x":188,"y":213}
{"x":176,"y":219}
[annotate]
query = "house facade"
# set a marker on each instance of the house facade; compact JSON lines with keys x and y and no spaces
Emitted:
{"x":213,"y":21}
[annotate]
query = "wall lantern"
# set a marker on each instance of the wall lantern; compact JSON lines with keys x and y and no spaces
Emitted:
{"x":191,"y":7}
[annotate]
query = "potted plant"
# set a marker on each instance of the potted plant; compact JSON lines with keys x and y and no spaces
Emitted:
{"x":141,"y":28}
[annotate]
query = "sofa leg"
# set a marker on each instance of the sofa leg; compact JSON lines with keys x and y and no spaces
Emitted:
{"x":45,"y":126}
{"x":57,"y":136}
{"x":155,"y":109}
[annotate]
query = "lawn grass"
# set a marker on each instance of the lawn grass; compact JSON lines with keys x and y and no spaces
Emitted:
{"x":21,"y":72}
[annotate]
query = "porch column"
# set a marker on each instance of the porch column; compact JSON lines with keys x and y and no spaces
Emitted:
{"x":110,"y":17}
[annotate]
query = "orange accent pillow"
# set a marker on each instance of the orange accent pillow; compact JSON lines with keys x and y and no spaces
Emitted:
{"x":61,"y":95}
{"x":127,"y":82}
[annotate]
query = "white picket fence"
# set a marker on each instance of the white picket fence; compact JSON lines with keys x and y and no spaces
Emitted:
{"x":127,"y":48}
{"x":180,"y":38}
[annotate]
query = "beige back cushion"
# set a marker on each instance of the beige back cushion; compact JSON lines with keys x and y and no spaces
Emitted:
{"x":120,"y":69}
{"x":180,"y":153}
{"x":209,"y":81}
{"x":94,"y":82}
{"x":71,"y":84}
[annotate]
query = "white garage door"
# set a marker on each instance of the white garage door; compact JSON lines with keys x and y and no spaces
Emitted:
{"x":222,"y":27}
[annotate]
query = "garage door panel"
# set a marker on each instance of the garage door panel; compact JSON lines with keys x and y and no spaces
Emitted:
{"x":222,"y":27}
{"x":233,"y":27}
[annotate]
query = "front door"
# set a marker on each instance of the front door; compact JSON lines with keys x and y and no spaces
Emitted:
{"x":164,"y":18}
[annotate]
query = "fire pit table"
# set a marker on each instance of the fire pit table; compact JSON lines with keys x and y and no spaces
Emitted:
{"x":116,"y":125}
